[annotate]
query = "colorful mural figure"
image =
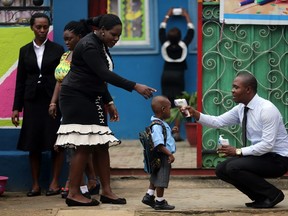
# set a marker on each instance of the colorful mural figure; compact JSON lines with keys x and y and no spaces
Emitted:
{"x":133,"y":16}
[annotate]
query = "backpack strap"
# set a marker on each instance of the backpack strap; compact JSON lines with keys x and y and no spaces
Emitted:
{"x":163,"y":129}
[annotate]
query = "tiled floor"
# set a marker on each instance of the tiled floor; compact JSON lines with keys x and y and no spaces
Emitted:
{"x":130,"y":155}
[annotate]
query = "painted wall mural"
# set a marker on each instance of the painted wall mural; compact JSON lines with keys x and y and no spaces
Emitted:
{"x":263,"y":12}
{"x":11,"y":40}
{"x":134,"y":19}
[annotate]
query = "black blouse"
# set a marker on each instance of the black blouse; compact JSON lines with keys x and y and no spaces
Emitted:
{"x":90,"y":72}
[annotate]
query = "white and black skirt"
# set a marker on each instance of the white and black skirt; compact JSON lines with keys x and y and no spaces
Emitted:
{"x":84,"y":121}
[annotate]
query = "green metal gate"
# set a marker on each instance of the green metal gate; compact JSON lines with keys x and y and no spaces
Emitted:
{"x":227,"y":50}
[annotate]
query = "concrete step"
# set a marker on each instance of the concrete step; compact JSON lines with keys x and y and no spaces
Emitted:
{"x":15,"y":165}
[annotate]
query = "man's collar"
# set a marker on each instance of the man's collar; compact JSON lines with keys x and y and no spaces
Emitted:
{"x":253,"y":102}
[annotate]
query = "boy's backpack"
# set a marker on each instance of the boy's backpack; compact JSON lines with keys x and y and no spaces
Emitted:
{"x":152,"y":161}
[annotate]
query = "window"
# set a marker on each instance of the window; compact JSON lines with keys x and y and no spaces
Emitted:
{"x":19,"y":12}
{"x":139,"y":25}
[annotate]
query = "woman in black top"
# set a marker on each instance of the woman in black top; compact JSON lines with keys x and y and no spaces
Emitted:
{"x":84,"y":99}
{"x":174,"y":52}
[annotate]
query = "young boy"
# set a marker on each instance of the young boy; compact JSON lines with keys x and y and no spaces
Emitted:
{"x":158,"y":181}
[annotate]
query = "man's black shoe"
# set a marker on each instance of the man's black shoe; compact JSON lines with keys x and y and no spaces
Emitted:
{"x":250,"y":204}
{"x":149,"y":200}
{"x":269,"y":203}
{"x":163,"y":205}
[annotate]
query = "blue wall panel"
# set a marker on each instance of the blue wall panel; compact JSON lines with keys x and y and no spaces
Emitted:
{"x":64,"y":11}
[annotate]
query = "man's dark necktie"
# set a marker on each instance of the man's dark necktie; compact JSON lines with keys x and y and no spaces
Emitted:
{"x":244,"y":129}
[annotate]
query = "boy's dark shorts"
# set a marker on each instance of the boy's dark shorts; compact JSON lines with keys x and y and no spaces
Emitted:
{"x":161,"y":178}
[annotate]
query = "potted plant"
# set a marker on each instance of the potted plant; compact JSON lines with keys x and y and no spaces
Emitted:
{"x":190,"y":123}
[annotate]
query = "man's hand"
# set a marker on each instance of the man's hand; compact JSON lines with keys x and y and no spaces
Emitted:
{"x":227,"y":150}
{"x":193,"y":113}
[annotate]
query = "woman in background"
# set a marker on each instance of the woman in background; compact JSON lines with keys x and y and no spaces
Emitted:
{"x":174,"y":52}
{"x":34,"y":88}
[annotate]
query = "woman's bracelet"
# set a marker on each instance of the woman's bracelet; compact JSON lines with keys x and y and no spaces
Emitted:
{"x":110,"y":103}
{"x":52,"y":104}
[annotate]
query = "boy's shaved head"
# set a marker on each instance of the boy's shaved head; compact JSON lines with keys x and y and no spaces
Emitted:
{"x":158,"y":102}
